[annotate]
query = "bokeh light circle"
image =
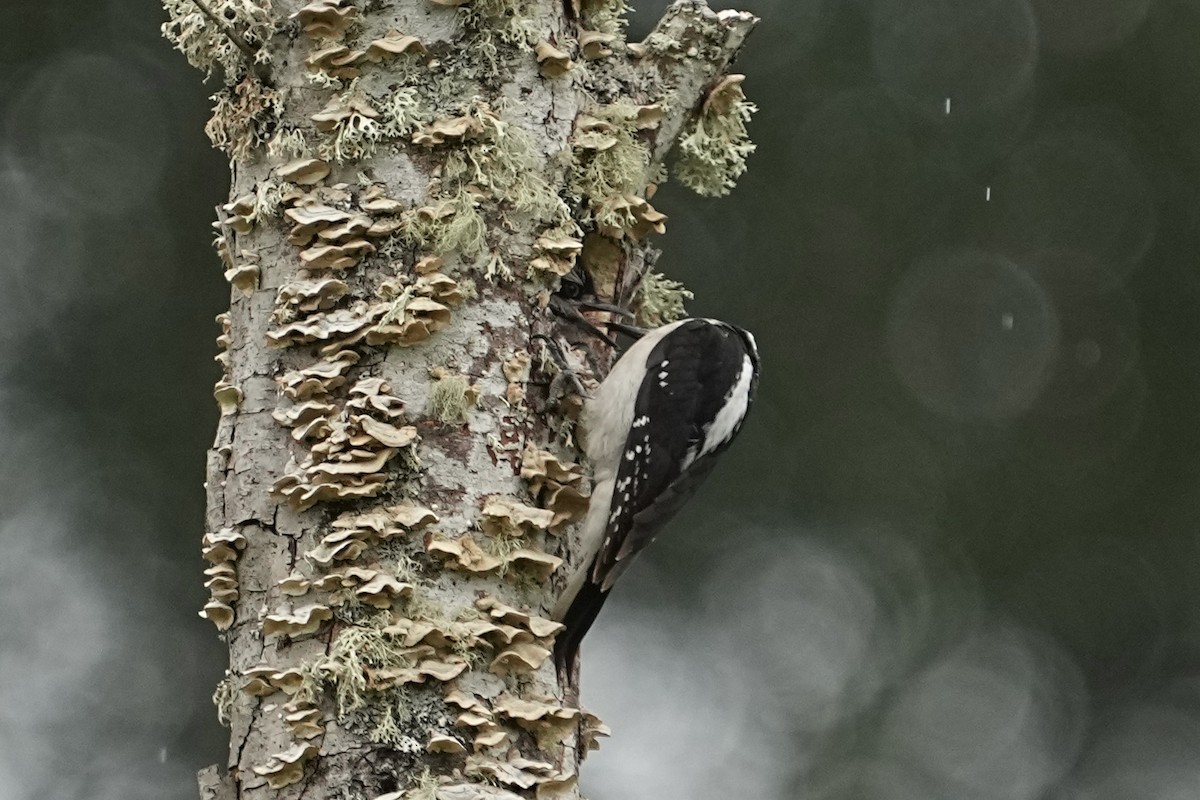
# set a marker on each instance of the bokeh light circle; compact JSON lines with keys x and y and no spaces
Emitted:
{"x":970,"y":334}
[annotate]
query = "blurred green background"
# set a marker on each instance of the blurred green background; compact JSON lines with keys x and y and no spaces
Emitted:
{"x":954,"y":553}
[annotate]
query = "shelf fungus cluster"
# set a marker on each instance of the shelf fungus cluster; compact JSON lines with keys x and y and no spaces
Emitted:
{"x":348,"y":445}
{"x":511,"y":537}
{"x":495,"y":728}
{"x":369,"y":667}
{"x":284,"y":769}
{"x":555,"y":485}
{"x":355,"y":532}
{"x":221,"y":549}
{"x":363,"y":659}
{"x":300,"y":717}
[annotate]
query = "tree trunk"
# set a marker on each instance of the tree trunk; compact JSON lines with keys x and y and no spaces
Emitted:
{"x":392,"y":490}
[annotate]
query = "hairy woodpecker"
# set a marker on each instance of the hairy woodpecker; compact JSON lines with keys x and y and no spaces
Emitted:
{"x":671,"y":404}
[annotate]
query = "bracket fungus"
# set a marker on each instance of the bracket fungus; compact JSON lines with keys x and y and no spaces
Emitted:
{"x":223,"y":545}
{"x":218,"y":613}
{"x":541,"y":564}
{"x":629,"y":215}
{"x":552,"y":62}
{"x":595,"y":45}
{"x":508,"y":516}
{"x":522,"y":657}
{"x":392,"y":44}
{"x":538,"y":626}
{"x":303,"y":722}
{"x":544,"y":717}
{"x":221,"y":549}
{"x":243,"y":277}
{"x":558,"y":252}
{"x":333,"y":61}
{"x":554,"y":484}
{"x":349,"y":449}
{"x":300,"y":622}
{"x":516,"y":369}
{"x":257,"y":681}
{"x":284,"y":769}
{"x":304,"y":171}
{"x":241,"y":213}
{"x":463,"y":552}
{"x":319,"y":380}
{"x":228,"y":397}
{"x":325,"y":19}
{"x":442,"y":743}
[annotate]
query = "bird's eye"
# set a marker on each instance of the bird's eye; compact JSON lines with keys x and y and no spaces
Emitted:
{"x":570,"y":290}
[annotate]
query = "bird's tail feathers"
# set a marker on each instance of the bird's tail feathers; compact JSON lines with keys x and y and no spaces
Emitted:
{"x":578,"y":619}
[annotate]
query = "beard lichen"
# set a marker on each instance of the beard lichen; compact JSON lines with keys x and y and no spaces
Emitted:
{"x":454,"y":225}
{"x":495,"y":160}
{"x":357,"y":652}
{"x":449,"y":397}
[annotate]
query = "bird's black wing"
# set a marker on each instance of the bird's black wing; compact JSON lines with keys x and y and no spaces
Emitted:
{"x":649,"y":487}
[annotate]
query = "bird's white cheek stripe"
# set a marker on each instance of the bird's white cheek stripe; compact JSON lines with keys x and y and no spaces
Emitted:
{"x":732,"y":413}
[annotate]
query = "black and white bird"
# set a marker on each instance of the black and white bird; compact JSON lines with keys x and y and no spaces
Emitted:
{"x":653,"y":431}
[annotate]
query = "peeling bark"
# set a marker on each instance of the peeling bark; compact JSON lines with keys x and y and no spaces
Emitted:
{"x":391,"y":492}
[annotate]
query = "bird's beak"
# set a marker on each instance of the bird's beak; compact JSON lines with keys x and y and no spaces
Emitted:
{"x":570,"y":312}
{"x":590,"y":305}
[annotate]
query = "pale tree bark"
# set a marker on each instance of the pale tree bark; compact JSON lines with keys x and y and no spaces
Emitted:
{"x":392,"y":488}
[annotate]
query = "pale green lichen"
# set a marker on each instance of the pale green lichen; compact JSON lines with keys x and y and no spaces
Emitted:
{"x":449,"y":398}
{"x":244,"y":117}
{"x":223,"y":698}
{"x":455,"y":225}
{"x":389,"y":720}
{"x":661,"y":44}
{"x":403,"y":112}
{"x":604,"y":16}
{"x":397,"y":307}
{"x":659,"y":300}
{"x":206,"y":46}
{"x":424,"y":787}
{"x":354,"y":138}
{"x":610,"y":159}
{"x":288,"y":143}
{"x":501,"y":546}
{"x":356,"y":650}
{"x":497,"y":271}
{"x":502,"y":159}
{"x":500,"y":28}
{"x":495,"y":161}
{"x":268,"y":198}
{"x":712,"y":155}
